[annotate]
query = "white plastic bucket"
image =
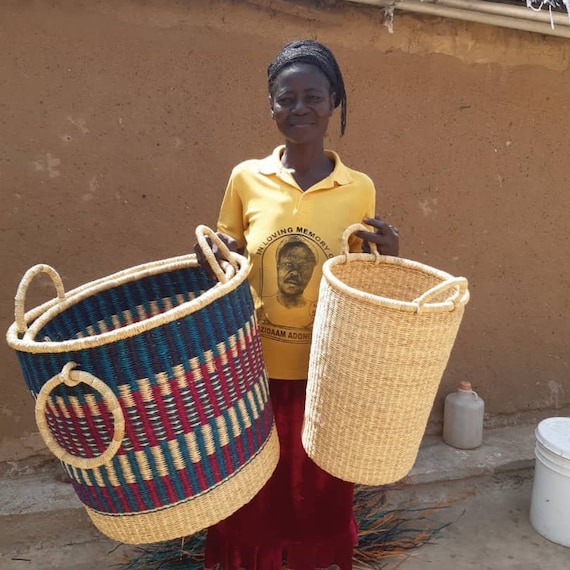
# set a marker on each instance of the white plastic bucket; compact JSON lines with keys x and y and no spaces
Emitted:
{"x":550,"y":503}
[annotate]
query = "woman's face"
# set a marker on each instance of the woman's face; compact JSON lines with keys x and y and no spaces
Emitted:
{"x":302,"y":103}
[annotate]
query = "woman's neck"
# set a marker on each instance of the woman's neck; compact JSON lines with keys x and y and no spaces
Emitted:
{"x":308,"y":164}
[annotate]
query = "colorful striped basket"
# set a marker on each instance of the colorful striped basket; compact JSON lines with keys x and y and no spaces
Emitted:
{"x":383,"y":333}
{"x":151,"y":389}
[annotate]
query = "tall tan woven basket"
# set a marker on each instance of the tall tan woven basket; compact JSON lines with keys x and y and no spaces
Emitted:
{"x":384,"y":329}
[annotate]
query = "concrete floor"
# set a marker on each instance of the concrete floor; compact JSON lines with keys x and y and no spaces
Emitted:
{"x":489,"y":531}
{"x":44,"y":527}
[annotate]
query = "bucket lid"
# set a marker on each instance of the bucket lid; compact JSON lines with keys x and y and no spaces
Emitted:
{"x":554,"y":434}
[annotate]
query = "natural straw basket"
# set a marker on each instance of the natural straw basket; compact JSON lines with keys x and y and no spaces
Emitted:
{"x":151,"y":389}
{"x":383,"y":332}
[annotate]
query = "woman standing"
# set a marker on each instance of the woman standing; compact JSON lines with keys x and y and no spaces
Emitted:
{"x":287,"y":212}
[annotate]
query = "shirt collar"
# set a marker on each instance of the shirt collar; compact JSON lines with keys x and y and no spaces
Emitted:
{"x":272,"y":165}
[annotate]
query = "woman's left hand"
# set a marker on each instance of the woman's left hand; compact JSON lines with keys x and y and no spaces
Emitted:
{"x":385,"y":237}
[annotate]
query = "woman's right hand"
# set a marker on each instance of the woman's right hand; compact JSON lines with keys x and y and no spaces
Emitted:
{"x":230,"y":242}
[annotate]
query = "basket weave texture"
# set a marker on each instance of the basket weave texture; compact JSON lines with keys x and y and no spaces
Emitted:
{"x":383,"y":332}
{"x":151,"y":388}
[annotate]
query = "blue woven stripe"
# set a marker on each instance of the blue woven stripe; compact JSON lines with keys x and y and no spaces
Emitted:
{"x":139,"y":479}
{"x":126,"y":488}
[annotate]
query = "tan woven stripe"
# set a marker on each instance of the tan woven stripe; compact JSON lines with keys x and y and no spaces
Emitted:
{"x":155,"y":308}
{"x":208,"y":439}
{"x":141,"y":312}
{"x":179,"y":374}
{"x":177,"y":458}
{"x":97,"y":476}
{"x":102,"y":325}
{"x":162,"y":381}
{"x":87,"y":476}
{"x":260,"y":393}
{"x":126,"y":396}
{"x":244,"y":415}
{"x":126,"y":470}
{"x":61,"y":408}
{"x":192,"y":446}
{"x":143,"y":465}
{"x":234,"y":422}
{"x":222,"y":431}
{"x":116,"y":322}
{"x":167,"y":303}
{"x":111,"y":474}
{"x":159,"y":460}
{"x":128,"y":316}
{"x":253,"y":404}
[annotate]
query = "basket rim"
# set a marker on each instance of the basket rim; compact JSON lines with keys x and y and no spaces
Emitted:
{"x":42,"y":314}
{"x":453,"y":302}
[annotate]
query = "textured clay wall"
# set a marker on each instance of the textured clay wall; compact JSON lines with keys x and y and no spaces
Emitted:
{"x":120,"y":122}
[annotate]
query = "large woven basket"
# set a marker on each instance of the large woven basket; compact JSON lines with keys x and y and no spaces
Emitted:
{"x":151,"y":389}
{"x":383,"y":332}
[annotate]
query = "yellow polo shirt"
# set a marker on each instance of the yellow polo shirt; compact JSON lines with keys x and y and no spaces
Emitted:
{"x":289,"y":233}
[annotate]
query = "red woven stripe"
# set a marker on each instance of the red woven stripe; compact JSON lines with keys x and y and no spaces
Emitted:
{"x":165,"y":420}
{"x":106,"y":416}
{"x":169,"y":488}
{"x":136,"y":492}
{"x":121,"y":496}
{"x":215,"y":467}
{"x":146,"y":425}
{"x":130,"y":433}
{"x":95,"y":432}
{"x":224,"y":387}
{"x":200,"y":474}
{"x":182,"y":474}
{"x":179,"y":402}
{"x":211,"y":395}
{"x":227,"y":458}
{"x":150,"y":486}
{"x":252,"y":347}
{"x":109,"y":499}
{"x":234,"y":376}
{"x":70,"y":443}
{"x":196,"y":396}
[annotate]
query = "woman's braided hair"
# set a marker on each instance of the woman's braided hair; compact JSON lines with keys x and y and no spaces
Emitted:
{"x":313,"y":53}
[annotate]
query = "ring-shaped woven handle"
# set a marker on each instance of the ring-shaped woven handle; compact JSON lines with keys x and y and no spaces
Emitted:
{"x":204,"y":232}
{"x":20,"y":300}
{"x":71,"y":377}
{"x":459,"y":282}
{"x":344,"y":247}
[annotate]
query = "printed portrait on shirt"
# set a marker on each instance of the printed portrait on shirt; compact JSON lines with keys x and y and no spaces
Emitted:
{"x":292,"y":271}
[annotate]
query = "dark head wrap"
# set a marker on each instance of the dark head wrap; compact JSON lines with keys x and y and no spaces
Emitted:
{"x":313,"y":53}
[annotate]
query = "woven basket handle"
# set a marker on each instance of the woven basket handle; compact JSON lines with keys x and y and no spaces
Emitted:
{"x":344,"y":246}
{"x":20,"y":300}
{"x":71,"y":377}
{"x":202,"y":235}
{"x":459,"y":282}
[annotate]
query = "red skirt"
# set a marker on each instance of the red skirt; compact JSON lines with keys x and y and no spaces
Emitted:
{"x":302,"y":518}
